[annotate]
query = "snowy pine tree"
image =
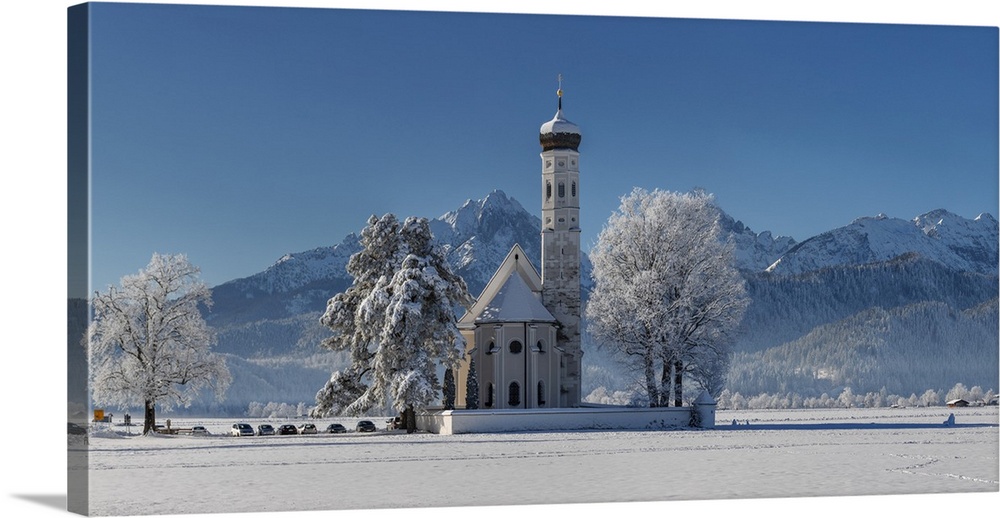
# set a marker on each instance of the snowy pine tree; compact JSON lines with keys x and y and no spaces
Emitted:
{"x":397,"y":319}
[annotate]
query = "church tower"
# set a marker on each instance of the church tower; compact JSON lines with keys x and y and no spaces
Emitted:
{"x":560,"y":140}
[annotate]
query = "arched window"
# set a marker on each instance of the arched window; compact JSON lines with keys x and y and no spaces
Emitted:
{"x":492,"y":348}
{"x":562,"y":190}
{"x":514,"y":394}
{"x":539,"y":347}
{"x":489,"y":395}
{"x":548,"y":190}
{"x":515,"y":347}
{"x":541,"y":393}
{"x":573,"y":190}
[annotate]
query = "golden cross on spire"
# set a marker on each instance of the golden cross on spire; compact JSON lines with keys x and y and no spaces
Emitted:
{"x":559,"y":92}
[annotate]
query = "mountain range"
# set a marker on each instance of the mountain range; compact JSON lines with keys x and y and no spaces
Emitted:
{"x":805,"y":296}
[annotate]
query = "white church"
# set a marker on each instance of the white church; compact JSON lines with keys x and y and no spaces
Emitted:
{"x":523,"y":332}
{"x":524,"y":329}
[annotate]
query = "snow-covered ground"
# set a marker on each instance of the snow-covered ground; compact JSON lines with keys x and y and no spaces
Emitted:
{"x":791,"y":453}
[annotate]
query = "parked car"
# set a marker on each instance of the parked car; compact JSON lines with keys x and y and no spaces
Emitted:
{"x":75,"y":429}
{"x":336,"y":428}
{"x":241,"y":430}
{"x":308,"y":428}
{"x":265,"y":429}
{"x":366,"y":426}
{"x":287,"y":429}
{"x":198,"y":430}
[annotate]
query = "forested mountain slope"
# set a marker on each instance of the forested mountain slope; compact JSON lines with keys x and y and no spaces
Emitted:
{"x":904,"y":349}
{"x":786,"y":307}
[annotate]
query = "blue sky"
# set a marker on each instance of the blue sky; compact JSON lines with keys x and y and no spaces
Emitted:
{"x":238,"y":134}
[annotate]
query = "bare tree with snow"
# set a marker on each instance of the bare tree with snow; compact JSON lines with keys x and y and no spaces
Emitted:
{"x":148,"y":343}
{"x":666,"y":296}
{"x":397,"y":319}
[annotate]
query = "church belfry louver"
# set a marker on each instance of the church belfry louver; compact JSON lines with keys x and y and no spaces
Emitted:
{"x":523,"y":332}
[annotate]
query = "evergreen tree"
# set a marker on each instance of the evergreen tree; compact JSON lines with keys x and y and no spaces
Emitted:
{"x":397,"y":320}
{"x":472,"y":387}
{"x":449,"y":390}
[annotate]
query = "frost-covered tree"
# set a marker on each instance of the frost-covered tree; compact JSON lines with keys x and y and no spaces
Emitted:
{"x":930,"y":398}
{"x":397,"y":319}
{"x":975,"y":394}
{"x":666,"y":296}
{"x":148,"y":344}
{"x":957,"y":392}
{"x":846,"y":398}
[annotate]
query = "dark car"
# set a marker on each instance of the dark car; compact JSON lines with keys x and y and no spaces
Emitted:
{"x":288,"y":429}
{"x":265,"y":429}
{"x":75,"y":429}
{"x":366,"y":426}
{"x":336,"y":428}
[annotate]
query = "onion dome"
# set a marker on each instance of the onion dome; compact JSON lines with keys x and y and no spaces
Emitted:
{"x":559,"y":133}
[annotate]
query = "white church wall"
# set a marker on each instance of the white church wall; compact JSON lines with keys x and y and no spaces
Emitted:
{"x":450,"y":422}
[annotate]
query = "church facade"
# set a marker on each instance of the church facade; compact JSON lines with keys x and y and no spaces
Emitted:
{"x":523,"y":332}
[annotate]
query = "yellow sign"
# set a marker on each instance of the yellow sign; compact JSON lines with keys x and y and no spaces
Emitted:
{"x":99,"y":414}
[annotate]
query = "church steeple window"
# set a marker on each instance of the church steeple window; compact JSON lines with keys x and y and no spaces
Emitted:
{"x":548,"y":190}
{"x":573,"y":190}
{"x":562,"y":190}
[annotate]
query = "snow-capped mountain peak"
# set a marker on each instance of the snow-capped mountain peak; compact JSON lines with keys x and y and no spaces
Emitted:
{"x":754,"y":251}
{"x":475,"y":238}
{"x":473,"y":214}
{"x":939,"y":235}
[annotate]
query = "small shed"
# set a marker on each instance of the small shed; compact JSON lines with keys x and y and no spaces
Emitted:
{"x":957,"y":403}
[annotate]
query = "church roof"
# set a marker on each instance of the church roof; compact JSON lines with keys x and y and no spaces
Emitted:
{"x":515,"y":302}
{"x":559,"y":124}
{"x":516,"y":263}
{"x":559,"y":133}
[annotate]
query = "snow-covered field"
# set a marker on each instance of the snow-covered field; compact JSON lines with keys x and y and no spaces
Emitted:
{"x":791,"y":453}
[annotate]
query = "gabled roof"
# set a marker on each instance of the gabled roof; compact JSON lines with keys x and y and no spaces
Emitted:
{"x":514,"y":302}
{"x":516,"y":264}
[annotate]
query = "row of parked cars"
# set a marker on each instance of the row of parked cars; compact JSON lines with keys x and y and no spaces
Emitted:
{"x":245,"y":430}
